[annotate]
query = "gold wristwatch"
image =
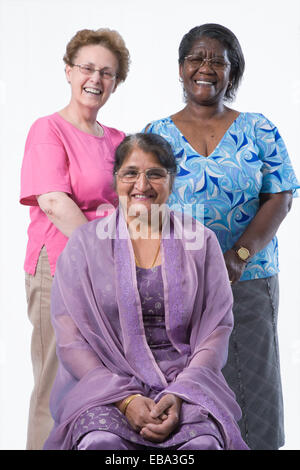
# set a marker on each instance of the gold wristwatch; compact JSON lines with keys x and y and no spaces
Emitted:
{"x":243,"y":253}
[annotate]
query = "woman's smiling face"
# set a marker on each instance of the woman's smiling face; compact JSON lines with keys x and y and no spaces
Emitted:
{"x":142,"y":193}
{"x":206,"y":84}
{"x":92,"y":90}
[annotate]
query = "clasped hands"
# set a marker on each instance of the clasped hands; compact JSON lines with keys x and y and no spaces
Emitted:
{"x":154,"y":421}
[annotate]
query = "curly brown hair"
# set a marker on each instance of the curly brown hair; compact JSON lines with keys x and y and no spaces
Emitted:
{"x":108,"y":38}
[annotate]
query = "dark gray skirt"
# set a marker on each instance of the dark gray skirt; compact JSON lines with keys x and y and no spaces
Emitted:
{"x":252,"y":369}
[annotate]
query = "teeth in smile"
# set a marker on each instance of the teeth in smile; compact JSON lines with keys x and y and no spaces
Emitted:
{"x":94,"y":91}
{"x":202,"y":82}
{"x":140,"y":196}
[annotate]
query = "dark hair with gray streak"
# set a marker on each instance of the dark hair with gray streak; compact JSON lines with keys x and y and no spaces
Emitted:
{"x":149,"y":143}
{"x":228,"y":40}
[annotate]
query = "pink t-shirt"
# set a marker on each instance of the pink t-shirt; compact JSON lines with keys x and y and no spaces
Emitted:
{"x":60,"y":157}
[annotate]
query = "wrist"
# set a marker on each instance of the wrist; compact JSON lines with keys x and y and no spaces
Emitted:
{"x":178,"y":399}
{"x":122,"y":405}
{"x":242,"y":252}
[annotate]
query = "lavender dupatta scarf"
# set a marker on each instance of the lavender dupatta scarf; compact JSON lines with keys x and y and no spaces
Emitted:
{"x":101,"y":345}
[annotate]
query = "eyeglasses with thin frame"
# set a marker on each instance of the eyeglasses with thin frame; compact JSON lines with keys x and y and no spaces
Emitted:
{"x":89,"y":70}
{"x":217,"y":63}
{"x":153,"y":175}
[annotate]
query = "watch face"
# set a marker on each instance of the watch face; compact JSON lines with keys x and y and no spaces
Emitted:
{"x":243,"y":253}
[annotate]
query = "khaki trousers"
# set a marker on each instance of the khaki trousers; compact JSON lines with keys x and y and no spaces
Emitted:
{"x":43,"y":355}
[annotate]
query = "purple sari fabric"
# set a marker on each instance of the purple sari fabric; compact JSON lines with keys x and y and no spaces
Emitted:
{"x":101,"y":343}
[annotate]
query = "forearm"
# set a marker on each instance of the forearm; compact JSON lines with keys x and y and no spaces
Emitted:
{"x":62,"y":211}
{"x":265,"y":224}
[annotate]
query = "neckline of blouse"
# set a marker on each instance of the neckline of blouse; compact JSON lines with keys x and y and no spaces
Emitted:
{"x":80,"y":131}
{"x":218,"y":144}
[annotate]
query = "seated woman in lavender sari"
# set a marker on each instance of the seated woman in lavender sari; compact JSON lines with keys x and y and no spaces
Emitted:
{"x":141,"y":307}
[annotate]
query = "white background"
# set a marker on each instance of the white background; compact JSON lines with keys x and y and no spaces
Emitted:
{"x":33,"y":36}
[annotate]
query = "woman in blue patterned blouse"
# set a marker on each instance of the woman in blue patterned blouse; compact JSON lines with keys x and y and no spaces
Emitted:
{"x":234,"y":174}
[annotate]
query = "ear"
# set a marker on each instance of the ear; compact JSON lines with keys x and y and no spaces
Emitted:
{"x":115,"y":85}
{"x":172,"y":179}
{"x":180,"y":72}
{"x":68,"y":70}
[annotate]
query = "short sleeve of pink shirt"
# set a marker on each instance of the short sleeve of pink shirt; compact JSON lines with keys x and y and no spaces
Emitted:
{"x":60,"y":157}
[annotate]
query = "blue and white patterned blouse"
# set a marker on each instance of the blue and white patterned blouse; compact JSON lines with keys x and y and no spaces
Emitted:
{"x":250,"y":159}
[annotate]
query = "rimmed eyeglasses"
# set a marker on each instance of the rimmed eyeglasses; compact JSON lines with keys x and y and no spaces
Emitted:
{"x":89,"y":70}
{"x":153,"y":175}
{"x":214,"y":62}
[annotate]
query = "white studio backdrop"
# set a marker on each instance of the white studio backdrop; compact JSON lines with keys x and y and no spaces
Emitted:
{"x":33,"y":36}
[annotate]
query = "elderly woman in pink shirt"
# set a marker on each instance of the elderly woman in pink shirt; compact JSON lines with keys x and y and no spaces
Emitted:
{"x":66,"y":175}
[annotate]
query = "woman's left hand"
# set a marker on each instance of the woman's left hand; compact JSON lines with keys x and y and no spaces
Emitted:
{"x":168,"y":407}
{"x":234,"y":265}
{"x":261,"y":230}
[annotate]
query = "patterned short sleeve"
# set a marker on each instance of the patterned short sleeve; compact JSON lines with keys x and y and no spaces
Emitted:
{"x":277,"y":170}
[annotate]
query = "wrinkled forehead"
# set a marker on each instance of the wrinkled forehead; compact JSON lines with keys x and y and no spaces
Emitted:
{"x":209,"y":46}
{"x":140,"y":159}
{"x":97,"y":55}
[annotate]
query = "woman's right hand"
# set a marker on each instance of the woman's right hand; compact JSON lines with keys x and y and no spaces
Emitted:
{"x":138,"y":413}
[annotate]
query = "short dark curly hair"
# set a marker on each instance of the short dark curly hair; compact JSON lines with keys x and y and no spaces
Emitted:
{"x":108,"y":38}
{"x":228,"y":40}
